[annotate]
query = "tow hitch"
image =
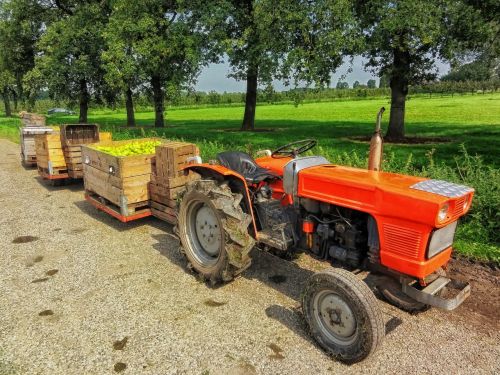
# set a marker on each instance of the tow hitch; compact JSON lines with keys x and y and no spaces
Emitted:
{"x":429,"y":296}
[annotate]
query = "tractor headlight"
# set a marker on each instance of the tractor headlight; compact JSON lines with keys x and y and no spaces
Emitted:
{"x":443,"y":212}
{"x":466,"y":203}
{"x":441,"y":239}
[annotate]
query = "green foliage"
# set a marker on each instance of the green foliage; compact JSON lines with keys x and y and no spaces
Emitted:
{"x":21,"y":26}
{"x":343,"y":85}
{"x":478,"y":70}
{"x":71,"y":47}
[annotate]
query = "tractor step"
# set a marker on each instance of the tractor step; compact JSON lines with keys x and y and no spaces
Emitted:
{"x":429,"y":297}
{"x":275,"y":238}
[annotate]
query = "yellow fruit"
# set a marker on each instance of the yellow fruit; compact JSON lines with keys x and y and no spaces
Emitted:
{"x":129,"y":149}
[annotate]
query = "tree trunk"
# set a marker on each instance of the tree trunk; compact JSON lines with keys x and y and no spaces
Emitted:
{"x":6,"y":102}
{"x":250,"y":99}
{"x":129,"y":104}
{"x":399,"y":91}
{"x":84,"y":102}
{"x":158,"y":99}
{"x":14,"y":99}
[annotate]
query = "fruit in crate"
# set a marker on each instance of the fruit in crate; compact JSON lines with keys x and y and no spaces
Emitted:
{"x":132,"y":148}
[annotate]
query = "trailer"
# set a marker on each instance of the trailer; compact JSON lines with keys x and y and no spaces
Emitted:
{"x":27,"y":141}
{"x":126,"y":186}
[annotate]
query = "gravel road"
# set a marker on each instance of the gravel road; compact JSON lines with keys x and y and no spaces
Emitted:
{"x":82,"y":293}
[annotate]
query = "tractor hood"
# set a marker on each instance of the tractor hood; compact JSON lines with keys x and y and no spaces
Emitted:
{"x":390,"y":194}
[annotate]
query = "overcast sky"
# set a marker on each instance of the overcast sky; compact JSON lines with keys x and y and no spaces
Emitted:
{"x":214,"y":77}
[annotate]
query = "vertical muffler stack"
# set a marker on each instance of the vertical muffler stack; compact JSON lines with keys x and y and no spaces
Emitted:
{"x":376,"y":145}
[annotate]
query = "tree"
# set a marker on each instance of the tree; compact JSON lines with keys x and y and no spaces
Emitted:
{"x":342,"y":85}
{"x":384,"y":81}
{"x":355,"y":85}
{"x":71,"y":49}
{"x":21,"y":25}
{"x":278,"y":39}
{"x":404,"y":38}
{"x":6,"y":83}
{"x":371,"y":84}
{"x":161,"y":42}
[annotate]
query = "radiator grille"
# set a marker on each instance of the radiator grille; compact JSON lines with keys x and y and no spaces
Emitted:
{"x":402,"y":241}
{"x":459,"y":207}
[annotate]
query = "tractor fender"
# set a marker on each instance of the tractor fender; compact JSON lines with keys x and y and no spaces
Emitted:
{"x":236,"y":181}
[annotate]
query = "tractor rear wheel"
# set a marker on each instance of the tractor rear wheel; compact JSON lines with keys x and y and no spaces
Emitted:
{"x":343,"y":315}
{"x":213,"y":229}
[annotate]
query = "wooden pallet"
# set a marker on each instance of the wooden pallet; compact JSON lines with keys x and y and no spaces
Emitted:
{"x":123,"y":213}
{"x":55,"y":173}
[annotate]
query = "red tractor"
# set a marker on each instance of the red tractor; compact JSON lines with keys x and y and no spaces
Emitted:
{"x":397,"y":226}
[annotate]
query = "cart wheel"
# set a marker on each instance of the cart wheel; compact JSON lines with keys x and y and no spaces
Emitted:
{"x":343,"y":315}
{"x":213,"y":230}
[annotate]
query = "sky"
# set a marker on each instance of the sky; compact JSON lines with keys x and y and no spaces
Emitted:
{"x":214,"y":77}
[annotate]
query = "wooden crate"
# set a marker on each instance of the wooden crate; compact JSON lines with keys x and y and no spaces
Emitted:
{"x":79,"y":134}
{"x":73,"y":136}
{"x":163,"y":212}
{"x":27,"y":141}
{"x":172,"y":156}
{"x":121,"y":180}
{"x":168,"y":180}
{"x":50,"y":156}
{"x":32,"y":119}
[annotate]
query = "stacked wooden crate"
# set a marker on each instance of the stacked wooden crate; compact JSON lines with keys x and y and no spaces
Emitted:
{"x":50,"y":156}
{"x":118,"y":185}
{"x":168,"y":180}
{"x":32,"y":119}
{"x":32,"y":124}
{"x":73,"y":136}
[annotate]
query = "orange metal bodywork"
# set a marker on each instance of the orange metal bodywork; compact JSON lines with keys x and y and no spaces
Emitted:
{"x":405,"y":217}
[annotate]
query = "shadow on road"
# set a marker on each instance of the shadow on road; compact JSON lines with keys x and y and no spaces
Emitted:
{"x":116,"y":224}
{"x":66,"y":184}
{"x":282,"y":275}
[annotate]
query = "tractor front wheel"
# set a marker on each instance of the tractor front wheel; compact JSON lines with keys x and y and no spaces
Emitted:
{"x":343,"y":315}
{"x":213,"y":230}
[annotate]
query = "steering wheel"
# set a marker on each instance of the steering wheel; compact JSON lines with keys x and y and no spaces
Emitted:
{"x":293,"y":149}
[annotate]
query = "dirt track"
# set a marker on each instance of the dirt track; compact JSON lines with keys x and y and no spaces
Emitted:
{"x":89,"y":295}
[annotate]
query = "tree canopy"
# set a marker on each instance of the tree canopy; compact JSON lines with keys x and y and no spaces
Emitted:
{"x":403,"y":40}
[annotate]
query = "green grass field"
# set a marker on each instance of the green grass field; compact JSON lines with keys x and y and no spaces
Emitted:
{"x":472,"y":121}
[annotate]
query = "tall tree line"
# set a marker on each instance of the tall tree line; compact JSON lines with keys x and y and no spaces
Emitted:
{"x":103,"y":50}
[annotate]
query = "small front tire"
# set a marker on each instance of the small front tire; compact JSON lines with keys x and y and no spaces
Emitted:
{"x":343,"y":315}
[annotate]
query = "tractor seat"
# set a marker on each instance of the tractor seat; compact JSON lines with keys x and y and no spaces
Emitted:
{"x":244,"y":164}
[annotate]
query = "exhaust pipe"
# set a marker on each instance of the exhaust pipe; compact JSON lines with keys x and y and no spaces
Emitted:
{"x":376,"y":145}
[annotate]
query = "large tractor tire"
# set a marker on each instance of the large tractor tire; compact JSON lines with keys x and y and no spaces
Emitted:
{"x":343,"y":315}
{"x":214,"y":231}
